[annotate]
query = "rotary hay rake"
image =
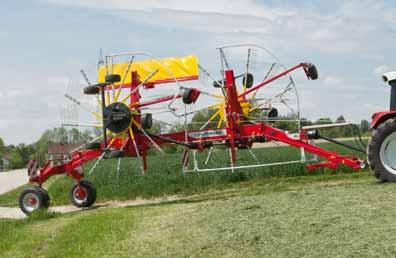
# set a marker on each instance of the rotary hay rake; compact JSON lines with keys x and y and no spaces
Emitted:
{"x":242,"y":115}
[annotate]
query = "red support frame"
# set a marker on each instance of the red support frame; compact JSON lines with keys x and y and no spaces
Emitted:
{"x":236,"y":132}
{"x":71,"y":167}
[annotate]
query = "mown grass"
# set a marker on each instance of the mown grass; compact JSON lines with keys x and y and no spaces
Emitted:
{"x":164,"y":176}
{"x":345,"y":216}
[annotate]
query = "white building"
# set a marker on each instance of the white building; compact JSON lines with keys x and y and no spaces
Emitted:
{"x":5,"y":162}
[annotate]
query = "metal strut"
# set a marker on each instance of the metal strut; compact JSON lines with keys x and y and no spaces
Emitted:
{"x":341,"y":143}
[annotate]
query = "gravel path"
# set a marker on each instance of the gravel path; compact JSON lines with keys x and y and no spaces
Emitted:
{"x":16,"y":213}
{"x":12,"y":179}
{"x":8,"y":181}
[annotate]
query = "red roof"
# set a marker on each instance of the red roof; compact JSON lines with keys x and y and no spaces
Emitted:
{"x":7,"y":156}
{"x":59,"y":148}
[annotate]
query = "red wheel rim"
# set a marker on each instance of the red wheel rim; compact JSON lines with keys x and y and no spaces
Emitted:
{"x":32,"y":201}
{"x":80,"y":193}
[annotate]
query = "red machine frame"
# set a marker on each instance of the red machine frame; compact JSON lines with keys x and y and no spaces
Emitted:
{"x":238,"y":132}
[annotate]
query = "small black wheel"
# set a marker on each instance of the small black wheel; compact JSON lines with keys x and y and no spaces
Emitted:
{"x":112,"y":78}
{"x":147,"y":121}
{"x":187,"y":96}
{"x":248,"y":80}
{"x":83,"y":196}
{"x":93,"y":146}
{"x":33,"y":199}
{"x":190,"y":95}
{"x":91,"y":90}
{"x":273,"y":113}
{"x":381,"y":150}
{"x":311,"y":71}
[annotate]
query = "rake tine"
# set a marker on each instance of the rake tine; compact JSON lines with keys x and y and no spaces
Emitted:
{"x":253,"y":155}
{"x":209,"y":155}
{"x":85,"y":77}
{"x":78,"y":103}
{"x":118,"y":169}
{"x":96,"y":163}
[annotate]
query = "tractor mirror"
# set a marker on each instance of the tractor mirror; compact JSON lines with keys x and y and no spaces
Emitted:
{"x":311,"y":71}
{"x":248,"y":80}
{"x":113,"y":78}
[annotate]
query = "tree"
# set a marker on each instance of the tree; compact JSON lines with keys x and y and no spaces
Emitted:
{"x":341,"y":131}
{"x":203,"y":116}
{"x":157,"y":127}
{"x":305,"y":122}
{"x":57,"y":135}
{"x":340,"y":119}
{"x":324,"y":120}
{"x":16,"y":160}
{"x":25,"y":152}
{"x":364,"y":126}
{"x":2,"y":147}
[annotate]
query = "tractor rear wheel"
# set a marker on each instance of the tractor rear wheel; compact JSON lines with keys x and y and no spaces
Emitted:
{"x":33,"y":199}
{"x":83,"y":196}
{"x":381,"y":151}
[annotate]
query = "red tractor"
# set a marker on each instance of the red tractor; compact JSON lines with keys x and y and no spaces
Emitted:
{"x":381,"y":151}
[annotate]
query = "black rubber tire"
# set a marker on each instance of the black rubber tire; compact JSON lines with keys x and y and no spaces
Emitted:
{"x":147,"y":121}
{"x":90,"y":194}
{"x":273,"y":113}
{"x":112,"y":78}
{"x":373,"y":151}
{"x":248,"y":80}
{"x":42,"y":198}
{"x":46,"y":195}
{"x":91,"y":90}
{"x":93,"y":146}
{"x":312,"y":72}
{"x":187,"y":96}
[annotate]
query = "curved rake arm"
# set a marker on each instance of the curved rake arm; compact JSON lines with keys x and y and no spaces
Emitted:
{"x":276,"y":77}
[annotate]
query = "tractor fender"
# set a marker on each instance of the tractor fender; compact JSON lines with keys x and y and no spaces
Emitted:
{"x":380,"y":117}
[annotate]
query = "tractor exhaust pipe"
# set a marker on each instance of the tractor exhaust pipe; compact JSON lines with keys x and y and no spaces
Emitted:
{"x":390,"y":78}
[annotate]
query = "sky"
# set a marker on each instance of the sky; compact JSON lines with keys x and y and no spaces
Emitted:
{"x":43,"y":42}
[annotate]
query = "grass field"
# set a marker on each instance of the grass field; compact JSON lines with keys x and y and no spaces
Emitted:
{"x":324,"y":216}
{"x":273,"y":212}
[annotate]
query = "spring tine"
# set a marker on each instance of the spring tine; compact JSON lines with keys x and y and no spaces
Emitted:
{"x":253,"y":155}
{"x":96,"y":163}
{"x":138,"y":155}
{"x":209,"y":155}
{"x":118,"y":169}
{"x":253,"y":58}
{"x":85,"y":77}
{"x":224,"y":59}
{"x":152,"y":141}
{"x":78,"y":103}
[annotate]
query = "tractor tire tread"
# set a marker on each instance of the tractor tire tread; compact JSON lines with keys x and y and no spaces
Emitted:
{"x":373,"y":151}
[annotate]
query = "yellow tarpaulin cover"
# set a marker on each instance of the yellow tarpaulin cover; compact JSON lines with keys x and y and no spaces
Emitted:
{"x":182,"y":68}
